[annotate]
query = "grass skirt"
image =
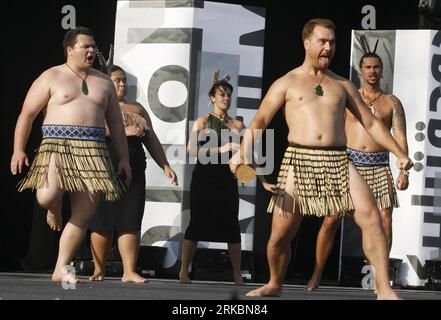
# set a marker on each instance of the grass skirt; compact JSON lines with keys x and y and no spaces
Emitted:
{"x":319,"y":180}
{"x":379,"y":178}
{"x":81,"y":165}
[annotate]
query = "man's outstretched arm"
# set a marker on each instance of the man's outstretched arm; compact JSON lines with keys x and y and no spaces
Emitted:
{"x":271,"y":103}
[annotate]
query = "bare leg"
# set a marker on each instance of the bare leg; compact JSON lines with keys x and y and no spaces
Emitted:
{"x":234,"y":250}
{"x":285,"y":224}
{"x":368,"y":218}
{"x":53,"y":217}
{"x":386,"y":219}
{"x":325,"y":243}
{"x":128,"y":244}
{"x":100,"y":244}
{"x":51,"y":197}
{"x":188,"y":250}
{"x":83,"y":206}
{"x":284,"y":228}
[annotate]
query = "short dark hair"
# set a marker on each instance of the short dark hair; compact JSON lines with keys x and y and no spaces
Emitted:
{"x":70,"y":38}
{"x":221,"y":83}
{"x":311,"y":24}
{"x":370,"y":55}
{"x":112,"y":68}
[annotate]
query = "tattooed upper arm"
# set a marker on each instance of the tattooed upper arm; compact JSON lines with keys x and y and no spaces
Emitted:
{"x":398,"y":117}
{"x":399,"y":124}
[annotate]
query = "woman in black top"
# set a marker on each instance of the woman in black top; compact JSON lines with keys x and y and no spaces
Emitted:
{"x":214,"y":197}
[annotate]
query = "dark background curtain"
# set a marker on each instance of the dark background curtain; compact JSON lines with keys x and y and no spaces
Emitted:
{"x":31,"y":43}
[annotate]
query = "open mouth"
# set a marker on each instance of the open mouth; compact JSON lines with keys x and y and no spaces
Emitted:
{"x":324,"y":59}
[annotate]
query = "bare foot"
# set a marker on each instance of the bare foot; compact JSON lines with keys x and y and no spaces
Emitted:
{"x":65,"y":276}
{"x":388,"y":295}
{"x":54,"y":220}
{"x":133,"y":278}
{"x":97,"y":276}
{"x":265,"y":291}
{"x":239,"y":283}
{"x":312,"y":284}
{"x":184,"y":280}
{"x":238,"y":280}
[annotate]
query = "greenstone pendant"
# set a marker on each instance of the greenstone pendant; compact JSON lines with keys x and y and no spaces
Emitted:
{"x":319,"y":90}
{"x":84,"y":88}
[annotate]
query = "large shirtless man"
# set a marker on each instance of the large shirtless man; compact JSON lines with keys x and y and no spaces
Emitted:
{"x":76,"y":101}
{"x":316,"y":177}
{"x":370,"y":159}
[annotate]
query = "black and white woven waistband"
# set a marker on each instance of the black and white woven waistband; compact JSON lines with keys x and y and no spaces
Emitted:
{"x":361,"y":158}
{"x":73,"y":132}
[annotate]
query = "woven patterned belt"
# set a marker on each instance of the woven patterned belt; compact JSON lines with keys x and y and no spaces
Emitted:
{"x":73,"y":132}
{"x":369,"y":158}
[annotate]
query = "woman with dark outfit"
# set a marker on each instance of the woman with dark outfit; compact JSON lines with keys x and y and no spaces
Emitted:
{"x":214,"y":197}
{"x":125,"y":216}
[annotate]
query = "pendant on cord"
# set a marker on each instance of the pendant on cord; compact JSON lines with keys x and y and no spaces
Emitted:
{"x":84,"y":88}
{"x":319,"y":90}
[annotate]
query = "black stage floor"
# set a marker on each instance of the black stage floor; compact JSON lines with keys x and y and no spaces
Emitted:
{"x":30,"y":286}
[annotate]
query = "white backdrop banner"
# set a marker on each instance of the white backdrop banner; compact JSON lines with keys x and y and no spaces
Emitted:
{"x":169,"y":49}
